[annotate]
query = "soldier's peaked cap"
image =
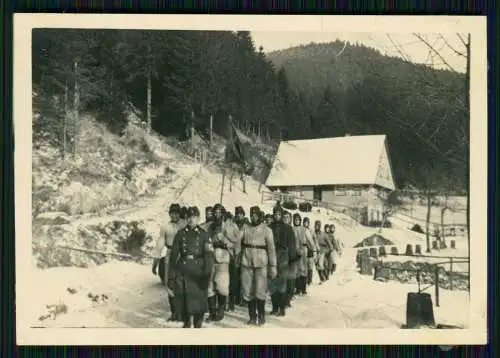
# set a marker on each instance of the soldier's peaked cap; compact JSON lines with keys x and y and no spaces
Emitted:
{"x":317,"y":222}
{"x":254,"y":210}
{"x":174,"y":208}
{"x":193,"y":211}
{"x":208,"y":208}
{"x":306,"y":219}
{"x":239,"y":210}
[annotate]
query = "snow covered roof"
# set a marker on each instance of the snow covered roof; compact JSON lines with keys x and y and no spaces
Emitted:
{"x":374,"y":240}
{"x":332,"y":161}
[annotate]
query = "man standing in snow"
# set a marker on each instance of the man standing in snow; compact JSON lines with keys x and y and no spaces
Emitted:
{"x":257,"y":259}
{"x":168,"y":230}
{"x":324,"y":248}
{"x":218,"y":288}
{"x":312,"y":252}
{"x":336,"y":249}
{"x":293,"y":266}
{"x":233,"y":234}
{"x":304,"y":244}
{"x":192,"y":259}
{"x":284,"y":243}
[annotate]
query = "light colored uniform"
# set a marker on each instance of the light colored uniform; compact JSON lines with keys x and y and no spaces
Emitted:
{"x":324,"y":247}
{"x":168,"y":230}
{"x":254,"y":254}
{"x":315,"y":248}
{"x":219,"y":280}
{"x":304,"y":241}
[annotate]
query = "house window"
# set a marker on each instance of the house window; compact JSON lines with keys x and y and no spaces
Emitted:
{"x":340,"y":191}
{"x":355,"y":192}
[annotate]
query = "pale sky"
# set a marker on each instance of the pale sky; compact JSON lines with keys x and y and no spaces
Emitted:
{"x":395,"y":44}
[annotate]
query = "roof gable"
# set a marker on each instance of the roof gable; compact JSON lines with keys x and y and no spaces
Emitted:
{"x":328,"y":161}
{"x":384,"y":176}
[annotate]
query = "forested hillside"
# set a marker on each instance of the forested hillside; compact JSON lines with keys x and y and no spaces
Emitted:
{"x":171,"y":79}
{"x":361,"y":91}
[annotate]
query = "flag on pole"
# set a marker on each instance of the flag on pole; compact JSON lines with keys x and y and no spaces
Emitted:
{"x":236,"y":150}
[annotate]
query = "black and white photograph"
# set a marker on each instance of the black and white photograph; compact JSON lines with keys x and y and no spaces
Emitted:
{"x":250,"y":172}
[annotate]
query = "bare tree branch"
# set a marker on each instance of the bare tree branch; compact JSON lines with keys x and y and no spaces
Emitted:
{"x":462,"y":39}
{"x":451,"y":47}
{"x":435,"y":51}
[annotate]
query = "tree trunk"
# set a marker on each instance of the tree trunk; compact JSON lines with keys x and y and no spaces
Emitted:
{"x":443,"y":210}
{"x":65,"y":121}
{"x":211,"y":128}
{"x":148,"y":103}
{"x":467,"y":103}
{"x":76,"y":105}
{"x":428,"y":222}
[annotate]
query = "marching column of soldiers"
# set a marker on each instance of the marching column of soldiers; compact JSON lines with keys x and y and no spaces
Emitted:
{"x":230,"y":261}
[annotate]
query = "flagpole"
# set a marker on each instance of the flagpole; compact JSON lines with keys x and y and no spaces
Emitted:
{"x":222,"y":185}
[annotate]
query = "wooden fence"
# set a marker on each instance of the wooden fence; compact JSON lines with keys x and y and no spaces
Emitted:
{"x":449,"y":261}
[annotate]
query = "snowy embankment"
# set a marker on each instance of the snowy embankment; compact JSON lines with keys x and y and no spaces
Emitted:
{"x":125,"y":294}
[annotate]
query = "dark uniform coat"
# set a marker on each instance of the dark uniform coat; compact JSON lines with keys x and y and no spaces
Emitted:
{"x":192,"y":260}
{"x":286,"y":253}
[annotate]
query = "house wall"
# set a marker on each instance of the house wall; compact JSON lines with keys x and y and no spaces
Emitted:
{"x":366,"y":197}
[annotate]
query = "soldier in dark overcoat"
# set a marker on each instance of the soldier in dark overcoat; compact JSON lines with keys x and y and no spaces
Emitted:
{"x":257,"y":257}
{"x":269,"y":219}
{"x":324,"y":248}
{"x":192,"y":259}
{"x":286,"y":253}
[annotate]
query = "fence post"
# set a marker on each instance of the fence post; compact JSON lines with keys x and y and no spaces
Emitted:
{"x":436,"y":284}
{"x":262,"y":197}
{"x":418,"y":280}
{"x":451,"y":273}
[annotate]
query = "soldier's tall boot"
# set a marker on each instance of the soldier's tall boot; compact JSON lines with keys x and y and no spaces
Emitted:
{"x":334,"y":268}
{"x":275,"y":303}
{"x":309,"y":277}
{"x":212,"y":308}
{"x":290,"y":290}
{"x":231,"y":302}
{"x":173,"y":317}
{"x":297,"y":285}
{"x":252,"y":312}
{"x":198,"y":320}
{"x":261,"y":304}
{"x":221,"y":306}
{"x":282,"y":302}
{"x":303,"y":285}
{"x":322,"y":277}
{"x":187,"y":321}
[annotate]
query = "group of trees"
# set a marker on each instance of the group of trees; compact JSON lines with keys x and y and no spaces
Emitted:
{"x":179,"y":78}
{"x":174,"y":78}
{"x":423,"y":111}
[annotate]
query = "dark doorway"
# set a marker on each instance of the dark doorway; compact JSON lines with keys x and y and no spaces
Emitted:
{"x":317,"y":193}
